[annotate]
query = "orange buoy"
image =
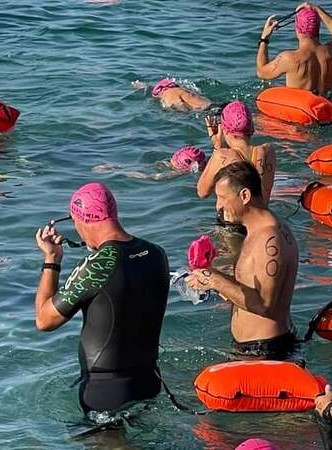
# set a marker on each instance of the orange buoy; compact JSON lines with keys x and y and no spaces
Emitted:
{"x":321,"y":160}
{"x":8,"y":117}
{"x":294,"y":105}
{"x":324,"y":325}
{"x":258,"y":386}
{"x":321,"y":323}
{"x":317,"y":199}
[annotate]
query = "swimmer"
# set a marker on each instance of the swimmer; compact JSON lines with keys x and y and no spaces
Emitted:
{"x":307,"y":67}
{"x":172,"y":95}
{"x":262,"y":284}
{"x":236,"y":128}
{"x":187,"y":159}
{"x":121,"y":289}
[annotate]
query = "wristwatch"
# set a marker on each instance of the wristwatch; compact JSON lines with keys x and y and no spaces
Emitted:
{"x":52,"y":266}
{"x":265,"y":40}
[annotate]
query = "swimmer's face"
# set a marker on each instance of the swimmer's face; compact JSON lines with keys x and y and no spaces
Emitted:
{"x":230,"y":202}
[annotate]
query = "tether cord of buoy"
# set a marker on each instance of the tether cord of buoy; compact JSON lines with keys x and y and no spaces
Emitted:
{"x":179,"y":406}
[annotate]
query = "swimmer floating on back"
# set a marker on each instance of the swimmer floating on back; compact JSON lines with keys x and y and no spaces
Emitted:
{"x":172,"y":95}
{"x":186,"y":159}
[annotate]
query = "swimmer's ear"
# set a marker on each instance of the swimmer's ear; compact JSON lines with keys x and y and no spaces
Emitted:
{"x":245,"y":195}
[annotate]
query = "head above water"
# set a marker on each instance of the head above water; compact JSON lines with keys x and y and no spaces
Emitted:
{"x":236,"y":119}
{"x":307,"y":22}
{"x":189,"y":159}
{"x":256,"y":444}
{"x":162,"y":86}
{"x":93,"y":202}
{"x":241,"y":175}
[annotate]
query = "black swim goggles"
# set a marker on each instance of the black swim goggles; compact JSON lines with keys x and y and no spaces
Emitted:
{"x":286,"y":18}
{"x":69,"y":242}
{"x":215,"y":110}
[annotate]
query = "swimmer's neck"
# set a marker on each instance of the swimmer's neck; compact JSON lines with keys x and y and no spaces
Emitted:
{"x":255,"y":213}
{"x":305,"y":41}
{"x":241,"y":144}
{"x":96,"y":234}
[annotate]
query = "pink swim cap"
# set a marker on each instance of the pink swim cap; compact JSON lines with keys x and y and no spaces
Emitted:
{"x":307,"y":22}
{"x":236,"y":119}
{"x":93,"y":202}
{"x":256,"y":444}
{"x":201,"y":253}
{"x":163,"y":85}
{"x":189,"y":159}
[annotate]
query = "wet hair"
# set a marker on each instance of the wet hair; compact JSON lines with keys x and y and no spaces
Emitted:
{"x":240,"y":175}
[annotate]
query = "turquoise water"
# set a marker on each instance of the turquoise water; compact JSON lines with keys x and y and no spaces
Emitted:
{"x":68,"y":67}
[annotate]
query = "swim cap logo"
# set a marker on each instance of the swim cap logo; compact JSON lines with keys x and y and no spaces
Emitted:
{"x":144,"y":253}
{"x":93,"y":202}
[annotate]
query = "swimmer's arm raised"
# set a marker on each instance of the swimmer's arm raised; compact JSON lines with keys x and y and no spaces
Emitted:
{"x":268,"y":70}
{"x":47,"y":317}
{"x":283,"y":63}
{"x":205,"y":184}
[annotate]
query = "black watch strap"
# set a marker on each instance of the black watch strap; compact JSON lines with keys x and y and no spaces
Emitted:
{"x":265,"y":40}
{"x":52,"y":266}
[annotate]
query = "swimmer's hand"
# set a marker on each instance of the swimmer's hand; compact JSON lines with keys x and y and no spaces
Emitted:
{"x":305,"y":5}
{"x":322,"y":401}
{"x":214,"y":131}
{"x":202,"y":279}
{"x":270,"y":25}
{"x":49,"y":242}
{"x":139,"y":84}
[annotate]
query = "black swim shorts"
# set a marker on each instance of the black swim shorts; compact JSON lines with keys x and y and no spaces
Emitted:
{"x":280,"y":348}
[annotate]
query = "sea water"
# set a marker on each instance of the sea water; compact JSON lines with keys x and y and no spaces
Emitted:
{"x":68,"y":67}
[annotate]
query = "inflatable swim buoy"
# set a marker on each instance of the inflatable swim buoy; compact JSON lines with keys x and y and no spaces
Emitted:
{"x":317,"y":199}
{"x":321,"y":324}
{"x":294,"y":105}
{"x":258,"y":386}
{"x":8,"y":117}
{"x":321,"y":160}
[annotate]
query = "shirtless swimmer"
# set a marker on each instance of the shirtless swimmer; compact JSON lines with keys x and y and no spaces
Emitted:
{"x":262,"y":286}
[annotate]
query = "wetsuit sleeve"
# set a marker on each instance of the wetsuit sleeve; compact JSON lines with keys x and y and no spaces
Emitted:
{"x":85,"y":281}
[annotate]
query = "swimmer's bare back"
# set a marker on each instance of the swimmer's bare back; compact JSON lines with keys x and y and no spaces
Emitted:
{"x":178,"y":98}
{"x":183,"y":100}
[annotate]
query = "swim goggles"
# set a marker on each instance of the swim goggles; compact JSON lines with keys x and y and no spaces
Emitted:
{"x":65,"y":240}
{"x":286,"y":20}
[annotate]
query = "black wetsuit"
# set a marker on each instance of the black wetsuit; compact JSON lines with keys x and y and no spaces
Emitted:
{"x":122,"y":291}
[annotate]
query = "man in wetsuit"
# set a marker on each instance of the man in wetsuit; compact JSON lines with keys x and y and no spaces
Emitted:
{"x":310,"y":65}
{"x":121,"y":288}
{"x":262,"y":286}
